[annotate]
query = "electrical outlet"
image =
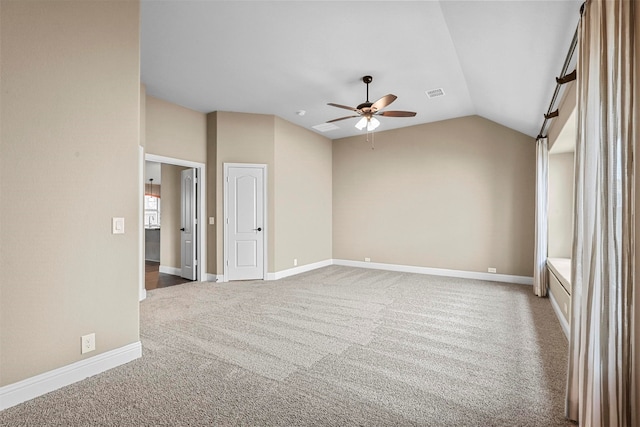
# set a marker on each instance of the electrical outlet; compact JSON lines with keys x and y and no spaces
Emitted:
{"x":367,"y":260}
{"x":88,"y":343}
{"x":491,"y":270}
{"x":295,"y":262}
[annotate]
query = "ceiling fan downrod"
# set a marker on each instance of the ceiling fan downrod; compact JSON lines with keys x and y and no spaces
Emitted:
{"x":367,"y":80}
{"x":367,"y":104}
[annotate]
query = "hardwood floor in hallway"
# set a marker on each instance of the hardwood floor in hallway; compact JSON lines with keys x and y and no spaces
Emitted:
{"x":153,"y":279}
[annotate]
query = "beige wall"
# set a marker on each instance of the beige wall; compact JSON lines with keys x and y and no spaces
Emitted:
{"x":70,"y":113}
{"x":244,"y":138}
{"x":298,"y":184}
{"x":560,"y":205}
{"x":303,"y":202}
{"x":143,"y":115}
{"x":170,"y":253}
{"x":212,"y":192}
{"x":636,"y":355}
{"x":174,"y":131}
{"x":456,"y":194}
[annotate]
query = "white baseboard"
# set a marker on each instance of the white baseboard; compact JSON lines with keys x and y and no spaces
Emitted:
{"x":297,"y":270}
{"x":556,"y":308}
{"x":170,"y":270}
{"x":521,"y":280}
{"x":506,"y":278}
{"x":16,"y":393}
{"x":214,"y":277}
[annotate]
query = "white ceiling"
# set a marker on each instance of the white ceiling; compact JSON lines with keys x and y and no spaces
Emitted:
{"x":496,"y":59}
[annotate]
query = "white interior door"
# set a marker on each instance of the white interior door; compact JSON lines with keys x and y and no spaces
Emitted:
{"x":188,"y":224}
{"x":245,"y":228}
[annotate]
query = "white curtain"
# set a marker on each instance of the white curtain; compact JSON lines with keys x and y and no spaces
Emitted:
{"x":600,"y":376}
{"x":540,"y":282}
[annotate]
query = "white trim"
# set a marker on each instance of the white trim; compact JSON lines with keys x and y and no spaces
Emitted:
{"x":142,"y":292}
{"x":300,"y":269}
{"x":170,"y":270}
{"x":215,"y":277}
{"x":202,"y":201}
{"x":265,"y":203}
{"x":521,"y":280}
{"x":173,"y":161}
{"x":16,"y":393}
{"x":556,"y":308}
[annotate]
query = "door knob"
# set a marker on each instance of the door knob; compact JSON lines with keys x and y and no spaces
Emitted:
{"x":257,"y":229}
{"x":182,"y":229}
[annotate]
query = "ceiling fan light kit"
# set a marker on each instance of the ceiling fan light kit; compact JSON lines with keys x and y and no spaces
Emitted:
{"x":370,"y":123}
{"x":367,"y":110}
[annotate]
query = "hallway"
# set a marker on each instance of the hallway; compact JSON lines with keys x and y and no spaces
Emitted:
{"x":153,"y":279}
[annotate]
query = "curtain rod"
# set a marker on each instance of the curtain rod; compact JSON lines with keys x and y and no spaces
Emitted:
{"x":564,"y":78}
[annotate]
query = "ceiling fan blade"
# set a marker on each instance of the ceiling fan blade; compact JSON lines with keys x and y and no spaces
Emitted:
{"x":342,"y":118}
{"x":342,"y":106}
{"x":396,"y":113}
{"x":383,"y":102}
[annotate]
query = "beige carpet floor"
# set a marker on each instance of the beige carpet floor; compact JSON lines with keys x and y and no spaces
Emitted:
{"x":337,"y":346}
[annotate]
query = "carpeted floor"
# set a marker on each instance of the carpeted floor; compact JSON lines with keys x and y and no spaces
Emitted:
{"x":338,"y":346}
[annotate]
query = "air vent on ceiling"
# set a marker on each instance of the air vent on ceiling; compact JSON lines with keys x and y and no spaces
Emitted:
{"x":325,"y":127}
{"x":434,"y":93}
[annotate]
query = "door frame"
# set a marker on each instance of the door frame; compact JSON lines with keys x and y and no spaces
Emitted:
{"x":188,"y":228}
{"x":201,"y":200}
{"x":225,"y":204}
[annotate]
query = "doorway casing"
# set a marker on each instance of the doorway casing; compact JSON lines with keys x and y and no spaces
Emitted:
{"x":201,"y":210}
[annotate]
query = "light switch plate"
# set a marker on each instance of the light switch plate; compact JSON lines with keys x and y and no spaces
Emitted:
{"x":212,"y":220}
{"x":117,"y":225}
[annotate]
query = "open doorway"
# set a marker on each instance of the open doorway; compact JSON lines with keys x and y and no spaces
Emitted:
{"x":171,"y":222}
{"x":162,"y":225}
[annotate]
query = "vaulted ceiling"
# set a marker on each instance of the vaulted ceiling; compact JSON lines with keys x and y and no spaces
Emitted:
{"x":496,"y":59}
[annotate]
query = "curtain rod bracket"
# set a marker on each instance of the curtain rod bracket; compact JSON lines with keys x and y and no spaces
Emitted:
{"x":566,"y":78}
{"x":551,"y":115}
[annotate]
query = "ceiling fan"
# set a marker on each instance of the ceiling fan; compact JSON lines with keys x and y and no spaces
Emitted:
{"x":367,"y":110}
